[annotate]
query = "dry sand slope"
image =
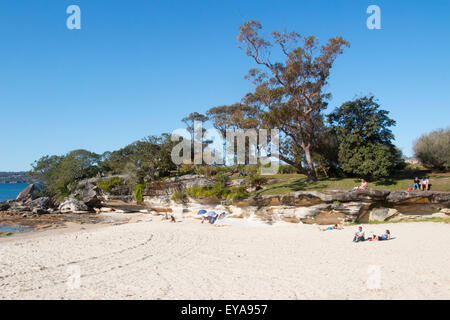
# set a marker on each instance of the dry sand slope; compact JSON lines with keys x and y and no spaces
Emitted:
{"x":189,"y":260}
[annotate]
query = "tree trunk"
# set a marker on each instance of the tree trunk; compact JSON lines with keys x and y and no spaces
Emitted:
{"x":310,"y":171}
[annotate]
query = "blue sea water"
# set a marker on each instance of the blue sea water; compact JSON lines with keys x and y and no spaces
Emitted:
{"x":13,"y":228}
{"x":10,"y":191}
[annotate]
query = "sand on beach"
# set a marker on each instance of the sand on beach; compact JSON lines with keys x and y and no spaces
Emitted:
{"x":246,"y":260}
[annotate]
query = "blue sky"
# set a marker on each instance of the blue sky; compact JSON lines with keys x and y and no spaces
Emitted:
{"x":137,"y":67}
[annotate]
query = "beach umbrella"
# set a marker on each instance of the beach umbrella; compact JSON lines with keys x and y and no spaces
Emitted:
{"x":212,"y":214}
{"x":201,"y":211}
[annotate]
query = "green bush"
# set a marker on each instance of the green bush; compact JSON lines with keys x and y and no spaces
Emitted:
{"x":108,"y":184}
{"x":218,"y":189}
{"x":433,"y":149}
{"x":237,"y":194}
{"x":139,"y":193}
{"x":179,"y":195}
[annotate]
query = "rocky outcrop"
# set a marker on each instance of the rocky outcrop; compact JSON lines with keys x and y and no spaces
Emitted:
{"x":328,"y":207}
{"x":322,"y":207}
{"x":73,"y":206}
{"x":418,"y":201}
{"x":89,"y":194}
{"x":167,"y":187}
{"x":29,"y":193}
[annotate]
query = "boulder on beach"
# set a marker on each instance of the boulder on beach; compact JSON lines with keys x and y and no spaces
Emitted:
{"x":29,"y":193}
{"x":73,"y":206}
{"x":89,"y":194}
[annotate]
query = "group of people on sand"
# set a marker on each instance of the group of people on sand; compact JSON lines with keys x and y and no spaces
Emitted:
{"x":420,"y":184}
{"x":360,"y":236}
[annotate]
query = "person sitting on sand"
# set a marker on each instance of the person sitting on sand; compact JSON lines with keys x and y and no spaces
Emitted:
{"x":359,"y":235}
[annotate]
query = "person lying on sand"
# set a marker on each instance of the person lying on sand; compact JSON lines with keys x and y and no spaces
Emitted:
{"x":335,"y":227}
{"x":359,"y":235}
{"x":385,"y":236}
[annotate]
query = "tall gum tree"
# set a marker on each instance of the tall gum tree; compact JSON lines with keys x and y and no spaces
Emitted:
{"x":291,"y":94}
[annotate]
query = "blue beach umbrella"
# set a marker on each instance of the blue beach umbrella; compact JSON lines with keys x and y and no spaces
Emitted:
{"x":201,"y":211}
{"x":212,"y":214}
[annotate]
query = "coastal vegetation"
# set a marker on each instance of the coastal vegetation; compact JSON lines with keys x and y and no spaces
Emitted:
{"x":433,"y":149}
{"x":139,"y":192}
{"x":109,"y":184}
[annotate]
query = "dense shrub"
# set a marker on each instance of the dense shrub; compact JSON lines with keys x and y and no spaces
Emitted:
{"x":109,"y":184}
{"x":238,"y":193}
{"x":179,"y":196}
{"x":139,"y":193}
{"x":433,"y":149}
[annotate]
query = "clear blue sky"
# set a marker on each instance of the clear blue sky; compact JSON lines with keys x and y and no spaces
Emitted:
{"x":137,"y":67}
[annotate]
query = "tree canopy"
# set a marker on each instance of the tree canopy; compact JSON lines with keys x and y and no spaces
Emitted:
{"x":365,"y":138}
{"x":433,"y":149}
{"x":290,"y":95}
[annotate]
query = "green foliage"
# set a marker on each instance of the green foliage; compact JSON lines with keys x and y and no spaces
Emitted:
{"x":237,"y":194}
{"x":365,"y":140}
{"x":139,"y":192}
{"x":255,"y":179}
{"x":433,"y":149}
{"x":144,"y":160}
{"x":60,"y":174}
{"x":179,"y":196}
{"x":109,"y":184}
{"x":218,"y":189}
{"x":287,"y":169}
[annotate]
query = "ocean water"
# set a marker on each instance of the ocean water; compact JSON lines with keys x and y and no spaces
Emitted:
{"x":10,"y":191}
{"x":13,"y":228}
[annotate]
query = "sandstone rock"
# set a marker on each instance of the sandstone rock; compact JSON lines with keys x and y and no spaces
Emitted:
{"x":382,"y":214}
{"x":169,"y":186}
{"x":445,"y":211}
{"x":28,"y":193}
{"x":352,"y":195}
{"x":236,"y":183}
{"x":72,"y":206}
{"x":89,"y":193}
{"x":39,"y":211}
{"x":43,"y":202}
{"x":437,"y":215}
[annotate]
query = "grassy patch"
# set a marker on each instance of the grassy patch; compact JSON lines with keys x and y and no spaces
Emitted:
{"x":299,"y":182}
{"x":108,"y":184}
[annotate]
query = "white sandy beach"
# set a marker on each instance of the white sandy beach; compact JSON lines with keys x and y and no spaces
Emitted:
{"x":189,"y":260}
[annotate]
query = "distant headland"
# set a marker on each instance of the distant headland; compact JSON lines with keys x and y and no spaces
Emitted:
{"x":14,"y":177}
